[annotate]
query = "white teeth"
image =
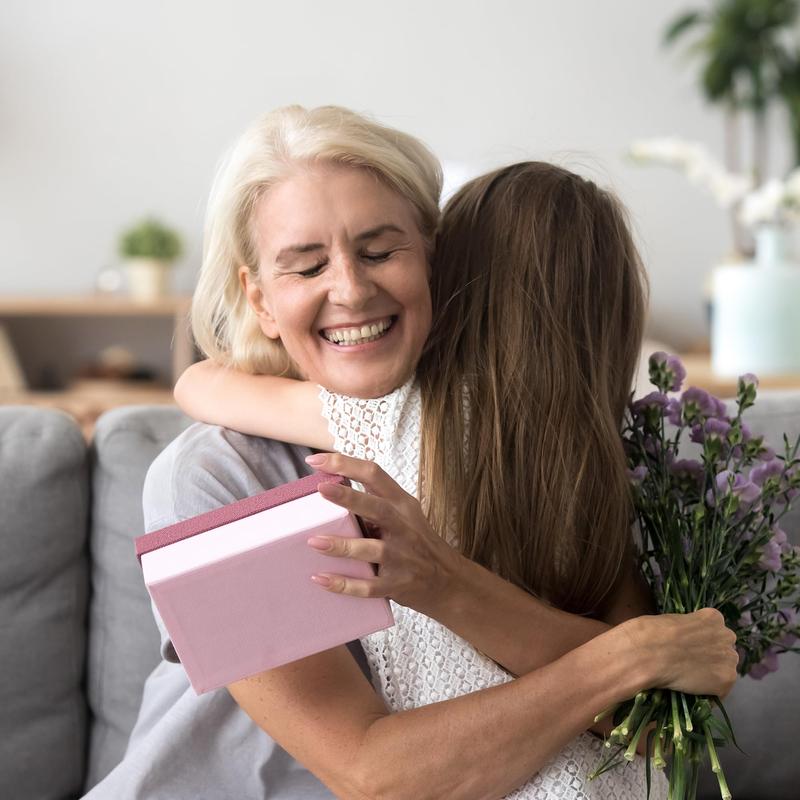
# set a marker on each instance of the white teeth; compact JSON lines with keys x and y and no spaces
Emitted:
{"x":366,"y":333}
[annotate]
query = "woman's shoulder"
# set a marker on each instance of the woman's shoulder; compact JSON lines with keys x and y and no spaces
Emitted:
{"x":207,"y":466}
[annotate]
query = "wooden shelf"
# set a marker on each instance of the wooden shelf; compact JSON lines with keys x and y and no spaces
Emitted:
{"x":102,"y":306}
{"x":88,"y":399}
{"x":98,"y":305}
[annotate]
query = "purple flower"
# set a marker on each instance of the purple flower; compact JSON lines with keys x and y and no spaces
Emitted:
{"x":746,"y":390}
{"x":771,"y":556}
{"x":652,"y":400}
{"x":687,"y":473}
{"x":747,"y":434}
{"x":689,"y":467}
{"x":746,"y":492}
{"x":666,"y":371}
{"x":771,"y":469}
{"x":758,"y":671}
{"x":779,"y":535}
{"x":746,"y":620}
{"x":648,"y":410}
{"x":766,"y":453}
{"x":770,"y":660}
{"x":748,"y":379}
{"x":698,"y":403}
{"x":697,"y":435}
{"x":716,"y":429}
{"x":637,"y":474}
{"x":788,"y":619}
{"x":720,"y":409}
{"x":674,"y":411}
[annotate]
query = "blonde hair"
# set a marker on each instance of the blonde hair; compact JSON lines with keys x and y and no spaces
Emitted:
{"x":223,"y":325}
{"x":539,"y":298}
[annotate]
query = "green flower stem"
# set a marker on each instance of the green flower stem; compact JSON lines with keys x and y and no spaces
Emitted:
{"x":658,"y":752}
{"x":716,"y":767}
{"x":629,"y":721}
{"x":686,"y":713}
{"x":677,"y":733}
{"x":603,"y":714}
{"x":677,"y":775}
{"x":630,"y":753}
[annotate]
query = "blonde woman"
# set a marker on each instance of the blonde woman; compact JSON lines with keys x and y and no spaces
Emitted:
{"x":317,"y":265}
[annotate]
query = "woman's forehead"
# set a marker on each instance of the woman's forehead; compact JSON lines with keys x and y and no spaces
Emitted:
{"x":318,"y":204}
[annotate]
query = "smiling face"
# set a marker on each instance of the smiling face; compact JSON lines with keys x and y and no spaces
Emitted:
{"x":343,"y":279}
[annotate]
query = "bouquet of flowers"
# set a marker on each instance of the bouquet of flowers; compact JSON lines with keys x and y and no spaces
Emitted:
{"x":710,"y":537}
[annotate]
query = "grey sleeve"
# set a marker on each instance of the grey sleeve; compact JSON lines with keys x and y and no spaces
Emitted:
{"x":207,"y":467}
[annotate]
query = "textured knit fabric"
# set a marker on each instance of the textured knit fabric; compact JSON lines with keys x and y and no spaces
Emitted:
{"x":419,"y":661}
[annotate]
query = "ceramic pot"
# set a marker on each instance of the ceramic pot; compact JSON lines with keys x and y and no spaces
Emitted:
{"x":148,"y":278}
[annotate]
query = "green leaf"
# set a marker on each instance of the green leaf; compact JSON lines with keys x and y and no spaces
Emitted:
{"x":716,"y":701}
{"x":680,"y":25}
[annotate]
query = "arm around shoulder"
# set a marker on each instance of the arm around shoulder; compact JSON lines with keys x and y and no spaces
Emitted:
{"x":261,"y":405}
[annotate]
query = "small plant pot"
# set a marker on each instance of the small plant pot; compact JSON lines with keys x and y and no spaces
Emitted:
{"x":148,"y":278}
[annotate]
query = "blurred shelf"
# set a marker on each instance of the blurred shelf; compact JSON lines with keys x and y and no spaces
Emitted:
{"x":700,"y":374}
{"x":97,"y":305}
{"x":173,"y":308}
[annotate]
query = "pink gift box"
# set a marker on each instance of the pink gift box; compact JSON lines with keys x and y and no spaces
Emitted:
{"x":233,"y":586}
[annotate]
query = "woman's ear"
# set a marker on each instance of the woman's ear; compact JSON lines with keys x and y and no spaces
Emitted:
{"x":257,"y":300}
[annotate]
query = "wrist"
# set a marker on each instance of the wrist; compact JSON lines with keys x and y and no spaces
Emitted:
{"x":631,"y":637}
{"x":455,"y":587}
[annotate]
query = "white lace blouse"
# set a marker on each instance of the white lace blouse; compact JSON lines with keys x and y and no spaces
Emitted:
{"x":419,"y":661}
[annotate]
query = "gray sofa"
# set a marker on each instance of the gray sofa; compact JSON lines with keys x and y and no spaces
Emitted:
{"x":76,"y":634}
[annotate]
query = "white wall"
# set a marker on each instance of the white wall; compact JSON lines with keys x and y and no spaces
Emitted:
{"x":110,"y":110}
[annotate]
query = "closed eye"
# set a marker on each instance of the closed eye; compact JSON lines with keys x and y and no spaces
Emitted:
{"x":312,"y":271}
{"x":377,"y":257}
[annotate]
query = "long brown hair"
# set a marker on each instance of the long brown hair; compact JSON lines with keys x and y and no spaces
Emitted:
{"x":539,"y":299}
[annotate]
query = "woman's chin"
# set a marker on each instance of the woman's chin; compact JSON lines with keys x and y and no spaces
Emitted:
{"x":367,"y":383}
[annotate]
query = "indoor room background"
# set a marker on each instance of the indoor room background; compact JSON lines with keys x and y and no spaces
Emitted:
{"x":111,"y":112}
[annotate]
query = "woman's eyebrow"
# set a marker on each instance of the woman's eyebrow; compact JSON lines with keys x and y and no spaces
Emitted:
{"x":374,"y":233}
{"x":285,"y":255}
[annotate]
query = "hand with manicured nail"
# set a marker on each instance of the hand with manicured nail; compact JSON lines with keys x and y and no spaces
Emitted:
{"x":415,"y":566}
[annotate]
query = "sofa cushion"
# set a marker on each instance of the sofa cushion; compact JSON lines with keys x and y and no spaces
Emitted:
{"x":124,"y":640}
{"x":764,"y":713}
{"x":43,"y":592}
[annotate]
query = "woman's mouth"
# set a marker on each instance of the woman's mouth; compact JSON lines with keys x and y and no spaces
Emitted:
{"x":350,"y":337}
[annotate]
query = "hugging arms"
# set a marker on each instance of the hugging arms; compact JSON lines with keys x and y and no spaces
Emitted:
{"x":489,"y":376}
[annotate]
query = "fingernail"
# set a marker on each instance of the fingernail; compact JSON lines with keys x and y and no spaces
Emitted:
{"x":316,"y":459}
{"x":322,"y":580}
{"x":320,"y":542}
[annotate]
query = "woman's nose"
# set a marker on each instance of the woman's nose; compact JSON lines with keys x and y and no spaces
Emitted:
{"x":352,"y":285}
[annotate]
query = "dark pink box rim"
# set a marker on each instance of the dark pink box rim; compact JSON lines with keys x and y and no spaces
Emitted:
{"x":233,"y":511}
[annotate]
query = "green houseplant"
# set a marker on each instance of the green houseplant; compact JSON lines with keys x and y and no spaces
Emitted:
{"x":745,"y":67}
{"x":149,"y":249}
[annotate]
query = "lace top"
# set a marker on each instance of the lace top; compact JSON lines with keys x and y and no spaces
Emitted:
{"x":419,"y":661}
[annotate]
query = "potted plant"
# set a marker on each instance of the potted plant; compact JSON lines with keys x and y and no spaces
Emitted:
{"x":149,"y":249}
{"x":745,"y":67}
